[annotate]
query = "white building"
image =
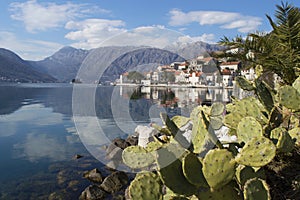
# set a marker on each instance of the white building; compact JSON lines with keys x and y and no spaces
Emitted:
{"x":194,"y":79}
{"x":232,"y":66}
{"x":249,"y":74}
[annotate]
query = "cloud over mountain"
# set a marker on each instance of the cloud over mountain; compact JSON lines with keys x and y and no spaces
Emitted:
{"x":226,"y":20}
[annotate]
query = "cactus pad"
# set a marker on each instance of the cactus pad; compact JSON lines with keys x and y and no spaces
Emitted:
{"x":137,"y":188}
{"x":192,"y":169}
{"x":137,"y":157}
{"x":248,"y":128}
{"x":216,"y":122}
{"x":153,"y":146}
{"x":256,"y":189}
{"x":244,"y":173}
{"x":285,"y":142}
{"x":232,"y":120}
{"x":289,"y":97}
{"x":225,"y":193}
{"x":217,"y":109}
{"x":244,"y":83}
{"x":295,"y":134}
{"x":180,"y":121}
{"x":218,"y":167}
{"x":199,"y":136}
{"x":257,"y":152}
{"x":171,"y":174}
{"x":264,"y":94}
{"x":175,"y":131}
{"x":296,"y":84}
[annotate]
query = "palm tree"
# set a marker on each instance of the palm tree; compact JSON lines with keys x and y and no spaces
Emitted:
{"x":277,"y":51}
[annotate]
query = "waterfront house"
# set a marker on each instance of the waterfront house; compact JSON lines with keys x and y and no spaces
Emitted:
{"x":232,"y":66}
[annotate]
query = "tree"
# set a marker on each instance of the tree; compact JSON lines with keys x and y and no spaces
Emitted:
{"x":135,"y":76}
{"x":277,"y":51}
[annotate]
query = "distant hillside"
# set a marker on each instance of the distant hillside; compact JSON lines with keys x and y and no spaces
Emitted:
{"x":15,"y":69}
{"x":98,"y":61}
{"x":63,"y":65}
{"x":111,"y":62}
{"x":107,"y":62}
{"x":142,"y":60}
{"x":192,"y":50}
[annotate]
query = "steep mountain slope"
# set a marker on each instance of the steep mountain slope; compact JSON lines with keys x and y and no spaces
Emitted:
{"x":63,"y":65}
{"x":15,"y":69}
{"x":194,"y":49}
{"x":142,"y":60}
{"x":107,"y":63}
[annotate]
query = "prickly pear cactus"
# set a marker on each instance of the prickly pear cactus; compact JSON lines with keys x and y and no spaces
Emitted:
{"x":171,"y":173}
{"x":244,"y":83}
{"x":248,"y":128}
{"x":216,"y":122}
{"x":289,"y":97}
{"x":295,"y":134}
{"x":199,"y":136}
{"x":257,"y":152}
{"x":296,"y":84}
{"x":192,"y":170}
{"x":163,"y":130}
{"x":227,"y":192}
{"x":180,"y":121}
{"x":153,"y":146}
{"x":232,"y":120}
{"x":284,"y":142}
{"x":175,"y":131}
{"x":244,"y":108}
{"x":217,"y":109}
{"x":244,"y":173}
{"x":218,"y":167}
{"x":144,"y":180}
{"x":256,"y":189}
{"x":264,"y":94}
{"x":137,"y":157}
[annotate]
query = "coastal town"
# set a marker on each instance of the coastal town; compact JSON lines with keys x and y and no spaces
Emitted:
{"x":202,"y":71}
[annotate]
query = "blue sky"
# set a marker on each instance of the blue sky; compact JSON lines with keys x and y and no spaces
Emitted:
{"x":35,"y":29}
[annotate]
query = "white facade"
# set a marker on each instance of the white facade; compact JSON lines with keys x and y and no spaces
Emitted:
{"x":232,"y":66}
{"x":194,"y":79}
{"x":146,"y":82}
{"x":227,"y":80}
{"x":249,"y":74}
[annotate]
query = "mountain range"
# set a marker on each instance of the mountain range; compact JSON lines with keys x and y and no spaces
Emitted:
{"x":104,"y":63}
{"x":15,"y":69}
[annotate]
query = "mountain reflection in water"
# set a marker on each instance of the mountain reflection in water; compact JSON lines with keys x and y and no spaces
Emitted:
{"x":38,"y":137}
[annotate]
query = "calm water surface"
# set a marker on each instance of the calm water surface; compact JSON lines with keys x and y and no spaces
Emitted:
{"x":38,"y":136}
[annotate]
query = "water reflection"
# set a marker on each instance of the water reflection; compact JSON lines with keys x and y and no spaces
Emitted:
{"x":178,"y":99}
{"x":37,"y":126}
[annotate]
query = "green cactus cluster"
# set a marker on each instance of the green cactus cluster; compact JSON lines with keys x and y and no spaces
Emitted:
{"x":256,"y":189}
{"x":218,"y":167}
{"x":144,"y":180}
{"x":267,"y":128}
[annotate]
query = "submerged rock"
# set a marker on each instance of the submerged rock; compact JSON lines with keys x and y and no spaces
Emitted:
{"x":93,"y":192}
{"x":93,"y":175}
{"x":77,"y":156}
{"x":121,"y":143}
{"x":115,"y":182}
{"x":132,"y":140}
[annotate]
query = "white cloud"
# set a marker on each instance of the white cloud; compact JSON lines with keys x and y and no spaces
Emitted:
{"x":28,"y":49}
{"x":227,"y":20}
{"x":40,"y":146}
{"x":43,"y":16}
{"x":91,"y":32}
{"x":208,"y":38}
